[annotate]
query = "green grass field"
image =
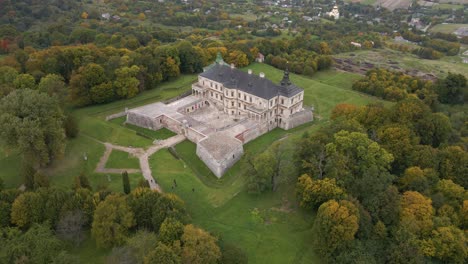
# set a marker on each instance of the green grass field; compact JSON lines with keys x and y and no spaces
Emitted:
{"x":446,"y":28}
{"x":447,"y":6}
{"x":278,"y":233}
{"x":122,"y":160}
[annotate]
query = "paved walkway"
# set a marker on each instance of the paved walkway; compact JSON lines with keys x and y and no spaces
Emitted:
{"x":143,"y":157}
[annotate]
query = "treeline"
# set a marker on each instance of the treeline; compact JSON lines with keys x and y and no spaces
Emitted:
{"x":434,"y":46}
{"x":145,"y":226}
{"x":300,"y":62}
{"x":389,"y":185}
{"x":396,"y":86}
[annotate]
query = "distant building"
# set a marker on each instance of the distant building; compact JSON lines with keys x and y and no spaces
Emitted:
{"x":335,"y":13}
{"x":260,"y":58}
{"x":355,"y":44}
{"x":465,"y":60}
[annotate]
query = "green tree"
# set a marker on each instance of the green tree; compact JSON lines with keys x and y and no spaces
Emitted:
{"x":126,"y":83}
{"x":41,"y":181}
{"x":335,"y":225}
{"x":24,"y":81}
{"x":312,"y":193}
{"x":102,"y":93}
{"x":81,"y":181}
{"x":452,"y":162}
{"x":168,"y":205}
{"x":359,"y":164}
{"x":141,"y":244}
{"x":32,"y":123}
{"x":112,"y":221}
{"x":170,"y":231}
{"x":163,"y":254}
{"x":83,"y":80}
{"x":28,"y":208}
{"x":71,"y":126}
{"x":452,"y":89}
{"x":37,"y":245}
{"x":53,"y":85}
{"x":199,"y":247}
{"x":125,"y":182}
{"x":143,"y":202}
{"x":450,"y":244}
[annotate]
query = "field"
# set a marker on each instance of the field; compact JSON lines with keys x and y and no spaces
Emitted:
{"x":406,"y":61}
{"x":270,"y":228}
{"x":446,"y":28}
{"x":389,"y":4}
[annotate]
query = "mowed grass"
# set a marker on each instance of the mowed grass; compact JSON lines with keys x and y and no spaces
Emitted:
{"x":122,"y":160}
{"x":282,"y":235}
{"x":160,"y":134}
{"x":323,"y":91}
{"x":446,"y":28}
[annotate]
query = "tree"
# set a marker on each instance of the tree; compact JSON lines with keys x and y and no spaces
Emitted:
{"x":53,"y":85}
{"x":163,"y":254}
{"x":238,"y":58}
{"x":170,"y":231}
{"x":454,"y":193}
{"x":112,"y":221}
{"x":416,"y":213}
{"x":199,"y":247}
{"x":81,"y":181}
{"x":415,"y":179}
{"x":24,"y":81}
{"x":312,"y":193}
{"x":83,"y":80}
{"x":452,"y":89}
{"x":71,"y":226}
{"x":397,"y":140}
{"x":125,"y":182}
{"x":32,"y":123}
{"x":143,"y":201}
{"x":233,"y":255}
{"x":335,"y":225}
{"x":28,"y":208}
{"x":358,"y":164}
{"x":168,"y":205}
{"x":71,"y":126}
{"x":141,"y":244}
{"x":450,"y":244}
{"x":102,"y":93}
{"x":126,"y":83}
{"x":451,"y":165}
{"x":37,"y":245}
{"x":41,"y":181}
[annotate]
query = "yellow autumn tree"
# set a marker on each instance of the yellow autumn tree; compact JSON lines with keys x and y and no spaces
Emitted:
{"x":416,"y":213}
{"x":84,"y":15}
{"x":336,"y":224}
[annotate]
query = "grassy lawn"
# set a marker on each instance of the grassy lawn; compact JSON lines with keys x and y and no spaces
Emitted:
{"x":282,"y":235}
{"x":447,"y":6}
{"x":446,"y":28}
{"x":160,"y":134}
{"x":122,"y":160}
{"x":322,"y":91}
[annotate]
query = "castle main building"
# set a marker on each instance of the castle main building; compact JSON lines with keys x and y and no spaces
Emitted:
{"x":243,"y":94}
{"x":227,"y":108}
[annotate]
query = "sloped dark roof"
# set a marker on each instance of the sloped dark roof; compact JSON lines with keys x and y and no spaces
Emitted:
{"x":253,"y":84}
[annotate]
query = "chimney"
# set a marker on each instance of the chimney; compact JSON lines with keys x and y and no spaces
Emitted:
{"x":232,"y":66}
{"x":250,"y":71}
{"x":262,"y":75}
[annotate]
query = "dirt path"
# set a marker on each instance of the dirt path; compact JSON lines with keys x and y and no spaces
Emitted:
{"x":141,"y":154}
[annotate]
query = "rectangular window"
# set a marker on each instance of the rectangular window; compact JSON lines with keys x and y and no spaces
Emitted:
{"x":282,"y":101}
{"x":232,"y":93}
{"x":245,"y":97}
{"x":250,"y":98}
{"x":211,"y":94}
{"x":232,"y":103}
{"x":239,"y":105}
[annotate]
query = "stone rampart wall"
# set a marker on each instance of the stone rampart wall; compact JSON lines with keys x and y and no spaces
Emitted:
{"x":299,"y":118}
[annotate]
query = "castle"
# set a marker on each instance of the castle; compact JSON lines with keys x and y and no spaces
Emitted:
{"x":227,"y":108}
